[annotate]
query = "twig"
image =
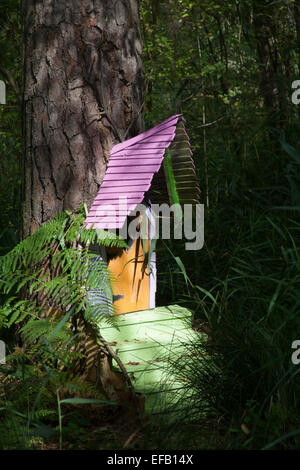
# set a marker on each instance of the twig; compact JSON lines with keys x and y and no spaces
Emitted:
{"x":210,"y":123}
{"x":139,"y":111}
{"x":134,"y":120}
{"x":131,"y":437}
{"x":112,"y":125}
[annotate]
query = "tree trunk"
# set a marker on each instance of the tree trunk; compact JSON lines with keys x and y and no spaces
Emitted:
{"x":83,"y":89}
{"x":262,"y":20}
{"x":297,"y":23}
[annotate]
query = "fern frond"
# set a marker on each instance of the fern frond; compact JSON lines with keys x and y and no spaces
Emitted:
{"x":57,"y":273}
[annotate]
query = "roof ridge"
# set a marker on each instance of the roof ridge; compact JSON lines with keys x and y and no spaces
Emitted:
{"x":143,"y":135}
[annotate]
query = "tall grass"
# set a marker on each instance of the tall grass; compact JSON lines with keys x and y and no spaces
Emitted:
{"x":245,"y":287}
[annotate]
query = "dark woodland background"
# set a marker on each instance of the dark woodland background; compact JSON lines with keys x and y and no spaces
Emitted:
{"x":229,"y":68}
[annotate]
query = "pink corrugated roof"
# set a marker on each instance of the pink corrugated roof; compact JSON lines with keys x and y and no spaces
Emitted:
{"x":129,"y":173}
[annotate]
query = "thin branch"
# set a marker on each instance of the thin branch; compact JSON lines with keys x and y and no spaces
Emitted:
{"x":140,"y":110}
{"x":211,"y":123}
{"x":134,"y":120}
{"x":112,"y":124}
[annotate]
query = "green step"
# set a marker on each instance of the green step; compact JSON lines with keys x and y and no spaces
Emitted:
{"x":158,"y":314}
{"x":148,"y":325}
{"x":158,"y":334}
{"x":144,"y":341}
{"x":153,"y":355}
{"x":154,"y":314}
{"x":151,"y":350}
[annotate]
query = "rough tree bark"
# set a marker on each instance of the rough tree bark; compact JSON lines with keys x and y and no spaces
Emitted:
{"x":83,"y":92}
{"x":83,"y":89}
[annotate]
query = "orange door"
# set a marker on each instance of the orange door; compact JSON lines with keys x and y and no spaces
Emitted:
{"x":130,"y":275}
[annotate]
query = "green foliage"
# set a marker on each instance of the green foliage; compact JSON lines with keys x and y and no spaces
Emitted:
{"x":249,"y":305}
{"x":55,"y":263}
{"x":243,"y":286}
{"x":33,"y":401}
{"x":243,"y":376}
{"x":292,"y":173}
{"x":10,"y":123}
{"x":45,"y":282}
{"x":202,"y":59}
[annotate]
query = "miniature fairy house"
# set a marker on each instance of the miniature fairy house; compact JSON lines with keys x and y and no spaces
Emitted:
{"x":154,"y":167}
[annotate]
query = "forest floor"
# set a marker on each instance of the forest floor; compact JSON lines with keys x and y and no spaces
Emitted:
{"x":92,"y":427}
